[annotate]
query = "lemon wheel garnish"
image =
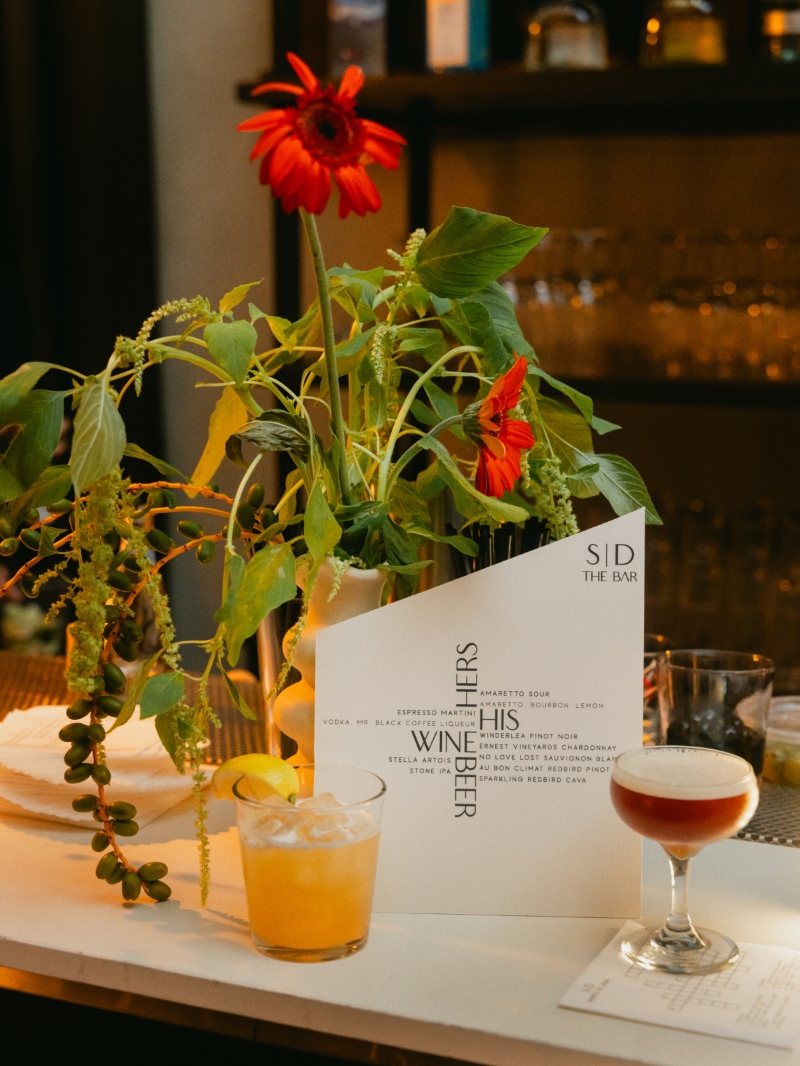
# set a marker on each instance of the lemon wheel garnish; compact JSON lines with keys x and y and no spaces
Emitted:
{"x":268,"y":776}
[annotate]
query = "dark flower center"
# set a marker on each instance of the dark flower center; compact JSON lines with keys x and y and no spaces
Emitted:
{"x":330,"y":132}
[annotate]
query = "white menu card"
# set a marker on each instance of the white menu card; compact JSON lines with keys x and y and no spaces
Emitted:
{"x":493,"y":706}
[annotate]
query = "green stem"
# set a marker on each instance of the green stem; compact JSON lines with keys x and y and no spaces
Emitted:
{"x":337,"y":418}
{"x":416,"y":448}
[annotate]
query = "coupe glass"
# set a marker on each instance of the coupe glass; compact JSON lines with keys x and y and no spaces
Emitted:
{"x":309,"y":868}
{"x":683,"y":798}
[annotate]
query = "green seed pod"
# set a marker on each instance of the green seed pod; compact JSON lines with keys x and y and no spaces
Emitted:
{"x":30,"y":538}
{"x":79,"y":709}
{"x":122,"y":810}
{"x":245,"y":516}
{"x":96,"y":733}
{"x":110,"y":705}
{"x":206,"y":551}
{"x":118,"y":580}
{"x":97,"y":815}
{"x":100,"y":842}
{"x":212,"y":485}
{"x":255,"y":497}
{"x":159,"y":540}
{"x":113,"y":539}
{"x":76,"y":774}
{"x":131,"y":886}
{"x":113,"y":677}
{"x":6,"y":529}
{"x":101,"y":774}
{"x":155,"y":499}
{"x":190,"y":530}
{"x":170,"y":499}
{"x":97,"y":685}
{"x":153,"y":871}
{"x":267,"y":517}
{"x":71,"y":733}
{"x":236,"y":530}
{"x":131,"y":631}
{"x":125,"y":650}
{"x":132,"y":563}
{"x":157,"y":890}
{"x":76,"y":754}
{"x":32,"y":515}
{"x":9,"y":546}
{"x":26,"y":584}
{"x":85,"y":803}
{"x":116,"y":874}
{"x":61,"y":507}
{"x":113,"y":614}
{"x":126,"y":829}
{"x":105,"y":866}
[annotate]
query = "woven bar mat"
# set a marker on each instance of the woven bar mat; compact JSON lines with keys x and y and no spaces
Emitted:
{"x":27,"y":681}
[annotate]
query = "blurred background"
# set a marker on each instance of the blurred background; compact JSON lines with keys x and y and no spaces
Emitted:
{"x":660,"y":143}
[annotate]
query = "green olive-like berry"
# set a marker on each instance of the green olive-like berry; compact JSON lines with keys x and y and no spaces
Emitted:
{"x":155,"y":499}
{"x":105,"y":866}
{"x":267,"y":517}
{"x":116,"y":874}
{"x":9,"y":546}
{"x":212,"y":485}
{"x":30,"y":538}
{"x":60,"y":507}
{"x":206,"y":551}
{"x":77,"y":774}
{"x":131,"y":886}
{"x":113,"y":539}
{"x":131,"y":631}
{"x":100,"y":842}
{"x":97,"y":685}
{"x":159,"y":540}
{"x":113,"y":677}
{"x":97,"y":815}
{"x":125,"y":650}
{"x":32,"y":515}
{"x":79,"y":709}
{"x":126,"y":829}
{"x":170,"y":499}
{"x":96,"y":733}
{"x":245,"y":516}
{"x":255,"y":497}
{"x":122,"y":810}
{"x":70,"y":733}
{"x":86,"y":803}
{"x":153,"y":871}
{"x":157,"y":890}
{"x":130,"y":562}
{"x":190,"y":530}
{"x":6,"y":529}
{"x":119,"y":581}
{"x":110,"y":705}
{"x":27,"y":585}
{"x":76,"y":754}
{"x":113,"y":614}
{"x":101,"y":774}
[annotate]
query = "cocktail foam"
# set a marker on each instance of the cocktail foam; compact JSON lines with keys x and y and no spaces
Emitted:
{"x":684,"y":773}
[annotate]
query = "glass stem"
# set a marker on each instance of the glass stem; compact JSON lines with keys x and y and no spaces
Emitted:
{"x":678,"y":929}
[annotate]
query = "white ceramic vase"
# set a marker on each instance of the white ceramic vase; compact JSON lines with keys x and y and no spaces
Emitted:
{"x":293,"y":710}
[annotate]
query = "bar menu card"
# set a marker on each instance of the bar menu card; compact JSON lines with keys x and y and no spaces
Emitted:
{"x":493,"y":706}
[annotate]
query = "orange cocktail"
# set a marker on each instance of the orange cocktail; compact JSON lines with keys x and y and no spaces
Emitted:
{"x":309,"y":868}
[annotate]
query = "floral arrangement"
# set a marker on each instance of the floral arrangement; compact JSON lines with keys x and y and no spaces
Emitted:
{"x":435,"y":366}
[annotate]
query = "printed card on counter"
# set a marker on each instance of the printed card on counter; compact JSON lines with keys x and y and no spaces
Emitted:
{"x":493,"y":706}
{"x":757,"y":1000}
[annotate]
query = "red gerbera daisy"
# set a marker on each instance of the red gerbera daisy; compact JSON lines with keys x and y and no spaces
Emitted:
{"x":303,"y":145}
{"x":500,"y":438}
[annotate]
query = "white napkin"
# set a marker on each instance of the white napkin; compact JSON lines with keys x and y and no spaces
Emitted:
{"x":32,"y":769}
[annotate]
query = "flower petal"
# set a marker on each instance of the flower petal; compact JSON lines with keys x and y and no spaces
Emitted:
{"x":276,"y":87}
{"x":517,"y":434}
{"x":382,"y":133}
{"x":267,"y":141}
{"x":361,"y":193}
{"x":350,"y":85}
{"x":387,"y":155}
{"x":304,"y":72}
{"x":263,"y":121}
{"x":317,"y":189}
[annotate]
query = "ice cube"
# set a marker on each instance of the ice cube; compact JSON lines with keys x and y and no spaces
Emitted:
{"x":325,"y":801}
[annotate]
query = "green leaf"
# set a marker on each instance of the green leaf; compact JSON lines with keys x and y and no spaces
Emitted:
{"x":235,"y":296}
{"x":622,"y":486}
{"x":581,"y":400}
{"x":569,"y":436}
{"x":429,"y":482}
{"x":265,"y":583}
{"x":504,"y":319}
{"x":402,"y":553}
{"x":239,"y":702}
{"x":228,"y":415}
{"x":374,"y":276}
{"x":160,"y":694}
{"x":321,"y":531}
{"x":445,"y":405}
{"x":98,"y":443}
{"x":406,"y":569}
{"x":133,"y":451}
{"x":465,"y":545}
{"x":16,"y":386}
{"x":39,"y":415}
{"x":428,"y":342}
{"x":168,"y":727}
{"x":135,"y":691}
{"x":354,"y":345}
{"x":52,"y":484}
{"x":423,"y":413}
{"x":47,"y":540}
{"x":471,"y":324}
{"x":272,"y":431}
{"x":470,"y":249}
{"x":578,"y":479}
{"x":232,"y":346}
{"x":407,"y":505}
{"x":448,"y":468}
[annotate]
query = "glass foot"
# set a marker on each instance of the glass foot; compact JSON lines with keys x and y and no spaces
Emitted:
{"x":339,"y":951}
{"x":651,"y":950}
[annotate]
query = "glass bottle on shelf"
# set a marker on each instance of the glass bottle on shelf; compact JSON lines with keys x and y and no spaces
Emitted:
{"x":566,"y":35}
{"x":684,"y":31}
{"x":780,"y":30}
{"x":357,"y":34}
{"x":457,"y":33}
